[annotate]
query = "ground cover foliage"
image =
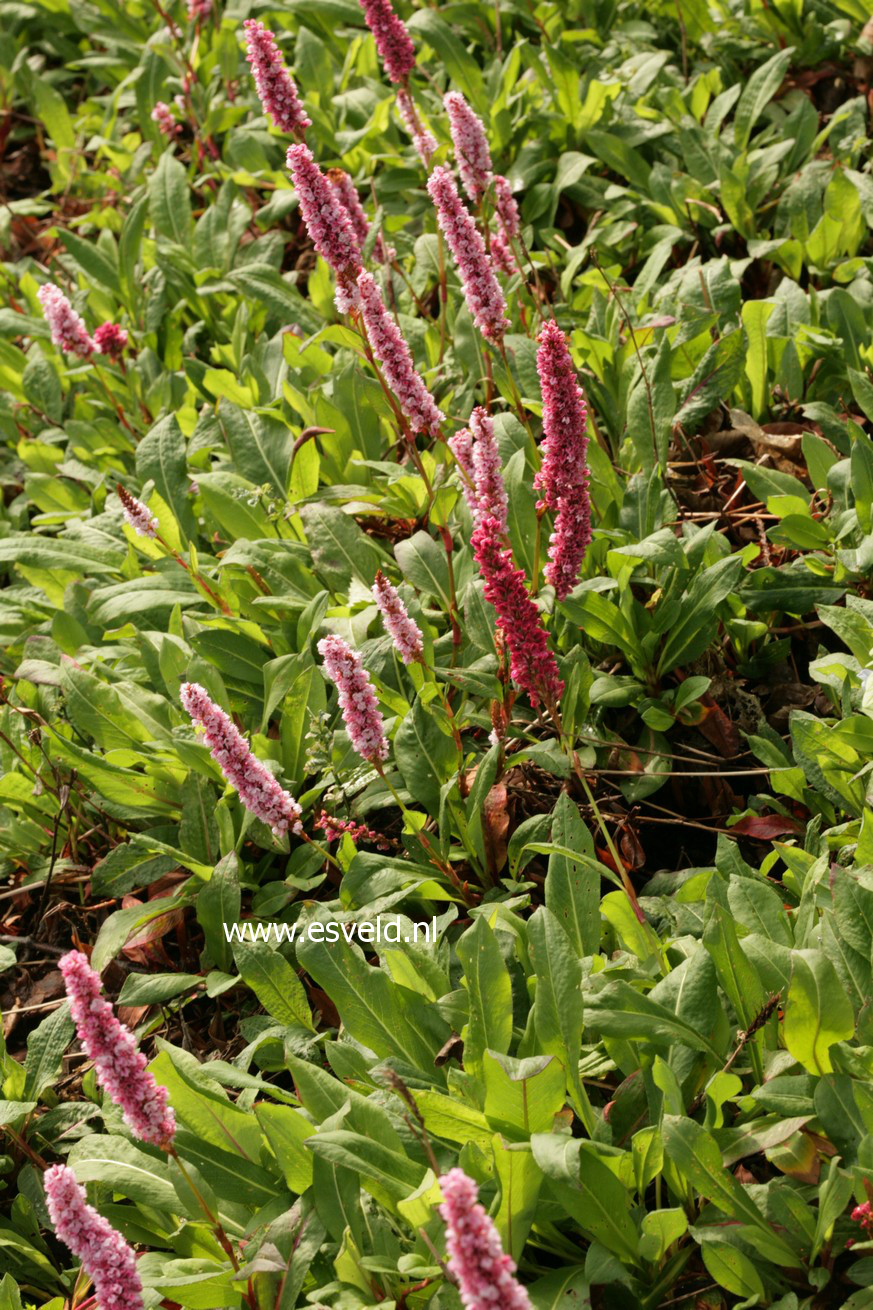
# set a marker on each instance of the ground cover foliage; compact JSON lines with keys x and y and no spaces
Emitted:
{"x":645,"y":1027}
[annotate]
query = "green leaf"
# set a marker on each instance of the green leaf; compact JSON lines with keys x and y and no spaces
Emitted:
{"x":713,"y":380}
{"x":818,"y":1012}
{"x":160,"y":456}
{"x":286,"y":1130}
{"x":522,"y":1096}
{"x":425,"y":755}
{"x":732,"y":1269}
{"x":340,"y":550}
{"x":573,"y":887}
{"x":423,"y":564}
{"x":697,"y":1157}
{"x":274,"y":982}
{"x":125,"y":1168}
{"x":490,"y":995}
{"x":261,"y":447}
{"x":45,"y":1052}
{"x":617,"y":1010}
{"x":757,"y":93}
{"x":170,"y":200}
{"x":589,"y":1191}
{"x":387,"y":1018}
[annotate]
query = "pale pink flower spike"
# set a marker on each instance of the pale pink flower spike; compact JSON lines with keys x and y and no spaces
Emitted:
{"x":403,"y":630}
{"x":106,"y":1257}
{"x":260,"y":792}
{"x":67,"y":328}
{"x":162,"y":114}
{"x":485,"y":1273}
{"x":423,"y":140}
{"x":487,"y":472}
{"x":481,"y":289}
{"x":392,"y":39}
{"x":327,"y":223}
{"x":357,"y":699}
{"x":120,"y":1068}
{"x":394,"y":355}
{"x":276,"y":89}
{"x":138,"y":515}
{"x":471,"y":146}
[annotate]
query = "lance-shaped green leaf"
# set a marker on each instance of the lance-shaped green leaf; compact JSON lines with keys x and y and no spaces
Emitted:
{"x":697,"y":1157}
{"x":385,"y":1017}
{"x":274,"y":982}
{"x":616,"y":1009}
{"x":589,"y":1191}
{"x":736,"y":973}
{"x":818,"y":1012}
{"x":490,"y":995}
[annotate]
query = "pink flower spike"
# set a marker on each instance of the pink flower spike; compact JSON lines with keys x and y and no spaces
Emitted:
{"x":347,"y":194}
{"x":403,"y":630}
{"x":508,"y":226}
{"x":275,"y":86}
{"x":392,"y":39}
{"x":507,"y":209}
{"x":111,"y":339}
{"x":119,"y":1066}
{"x":423,"y":140}
{"x":394,"y":355}
{"x":162,"y":114}
{"x":106,"y":1257}
{"x":485,"y":1273}
{"x":481,"y":289}
{"x":327,"y":223}
{"x":260,"y":792}
{"x":357,"y":698}
{"x":461,"y":446}
{"x":67,"y":328}
{"x":502,"y":256}
{"x":487,"y":472}
{"x":532,"y":664}
{"x":199,"y":10}
{"x":471,"y":146}
{"x":563,"y":477}
{"x":138,"y":515}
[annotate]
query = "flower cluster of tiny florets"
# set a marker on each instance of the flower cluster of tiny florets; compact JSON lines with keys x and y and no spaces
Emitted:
{"x":106,"y":1257}
{"x":260,"y":792}
{"x":119,"y":1066}
{"x":357,"y":699}
{"x":485,"y":1273}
